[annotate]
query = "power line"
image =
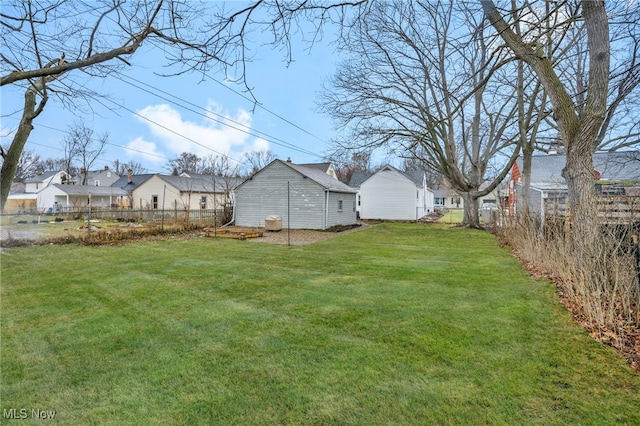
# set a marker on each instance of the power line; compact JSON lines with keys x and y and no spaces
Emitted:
{"x":253,"y":101}
{"x":173,"y":131}
{"x":223,"y":120}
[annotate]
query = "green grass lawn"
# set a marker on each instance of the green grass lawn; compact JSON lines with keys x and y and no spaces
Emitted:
{"x":395,"y":324}
{"x":452,"y":216}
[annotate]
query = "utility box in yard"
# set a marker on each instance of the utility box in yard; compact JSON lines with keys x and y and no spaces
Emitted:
{"x":273,"y":223}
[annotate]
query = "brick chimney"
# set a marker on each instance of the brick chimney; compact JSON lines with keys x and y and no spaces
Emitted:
{"x":129,"y":176}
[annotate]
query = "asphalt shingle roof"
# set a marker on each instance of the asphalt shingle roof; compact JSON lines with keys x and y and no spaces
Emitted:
{"x":88,"y":189}
{"x":320,"y":177}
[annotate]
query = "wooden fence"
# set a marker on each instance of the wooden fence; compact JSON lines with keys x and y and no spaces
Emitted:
{"x":612,"y":209}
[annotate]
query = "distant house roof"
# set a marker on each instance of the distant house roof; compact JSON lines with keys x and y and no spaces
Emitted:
{"x":41,"y":177}
{"x":319,"y":176}
{"x":358,"y":178}
{"x":201,"y":183}
{"x":136,"y":180}
{"x":88,"y":189}
{"x":320,"y":166}
{"x":17,"y":188}
{"x":546,"y":170}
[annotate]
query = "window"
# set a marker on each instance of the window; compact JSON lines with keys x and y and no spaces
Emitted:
{"x":154,"y":201}
{"x":358,"y":199}
{"x":96,"y":182}
{"x":339,"y":205}
{"x":203,"y":202}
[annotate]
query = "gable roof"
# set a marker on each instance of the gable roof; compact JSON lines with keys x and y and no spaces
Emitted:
{"x":320,"y":166}
{"x":43,"y":176}
{"x":320,"y":177}
{"x":358,"y":178}
{"x":201,"y":183}
{"x":88,"y":189}
{"x":136,"y":180}
{"x":316,"y":174}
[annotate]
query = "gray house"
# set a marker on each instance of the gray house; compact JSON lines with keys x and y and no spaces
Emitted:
{"x":617,"y":183}
{"x":304,"y":196}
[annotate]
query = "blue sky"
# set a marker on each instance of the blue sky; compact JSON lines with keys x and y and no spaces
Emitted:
{"x":289,"y":91}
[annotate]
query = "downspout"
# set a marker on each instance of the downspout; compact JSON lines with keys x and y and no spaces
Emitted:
{"x":326,"y":209}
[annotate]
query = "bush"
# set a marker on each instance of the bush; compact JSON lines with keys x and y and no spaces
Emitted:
{"x":602,"y":291}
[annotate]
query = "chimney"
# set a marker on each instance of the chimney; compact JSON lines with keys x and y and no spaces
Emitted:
{"x":129,"y":176}
{"x":106,"y":168}
{"x":288,"y":159}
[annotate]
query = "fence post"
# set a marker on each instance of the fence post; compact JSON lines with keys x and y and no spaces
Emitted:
{"x":636,"y":255}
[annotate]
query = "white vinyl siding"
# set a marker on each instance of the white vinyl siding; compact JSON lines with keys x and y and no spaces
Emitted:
{"x":390,"y":195}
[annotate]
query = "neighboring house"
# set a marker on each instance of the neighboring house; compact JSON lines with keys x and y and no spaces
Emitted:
{"x":44,"y":179}
{"x":164,"y":192}
{"x":58,"y":198}
{"x":323,"y":167}
{"x":391,"y":194}
{"x":304,"y":196}
{"x":19,"y":201}
{"x":445,"y":197}
{"x":103,"y":177}
{"x":617,"y":182}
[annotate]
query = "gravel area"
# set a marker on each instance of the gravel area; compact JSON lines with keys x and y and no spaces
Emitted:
{"x":301,"y":236}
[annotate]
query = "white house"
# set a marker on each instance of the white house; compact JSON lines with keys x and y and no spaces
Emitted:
{"x":391,"y":194}
{"x":57,"y":198}
{"x":164,"y":192}
{"x":44,"y":179}
{"x":304,"y":196}
{"x":105,"y":177}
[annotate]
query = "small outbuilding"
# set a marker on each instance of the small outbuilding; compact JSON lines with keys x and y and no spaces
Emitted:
{"x":392,"y":194}
{"x":304,"y":196}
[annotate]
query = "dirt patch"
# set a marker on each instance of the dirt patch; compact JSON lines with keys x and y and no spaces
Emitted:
{"x":303,"y":236}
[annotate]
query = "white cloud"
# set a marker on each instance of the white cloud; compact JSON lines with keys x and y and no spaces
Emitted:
{"x":219,"y":133}
{"x":147,"y":150}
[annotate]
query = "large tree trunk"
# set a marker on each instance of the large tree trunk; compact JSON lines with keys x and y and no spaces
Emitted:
{"x":471,"y":217}
{"x":578,"y":133}
{"x":11,"y":158}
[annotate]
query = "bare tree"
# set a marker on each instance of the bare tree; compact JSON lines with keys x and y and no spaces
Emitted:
{"x":28,"y":165}
{"x":400,"y":91}
{"x":47,"y":46}
{"x":346,"y":163}
{"x":122,"y":168}
{"x":256,"y":160}
{"x":84,"y":148}
{"x":56,"y":165}
{"x":219,"y":165}
{"x":186,"y":162}
{"x":583,"y":108}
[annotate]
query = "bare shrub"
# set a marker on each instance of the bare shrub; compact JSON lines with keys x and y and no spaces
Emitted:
{"x":600,"y":283}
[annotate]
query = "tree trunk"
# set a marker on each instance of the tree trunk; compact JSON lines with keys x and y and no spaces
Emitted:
{"x":10,"y":161}
{"x":582,"y":197}
{"x":471,"y":217}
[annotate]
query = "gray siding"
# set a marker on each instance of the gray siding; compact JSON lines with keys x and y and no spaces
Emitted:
{"x":348,"y":214}
{"x":266,"y":194}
